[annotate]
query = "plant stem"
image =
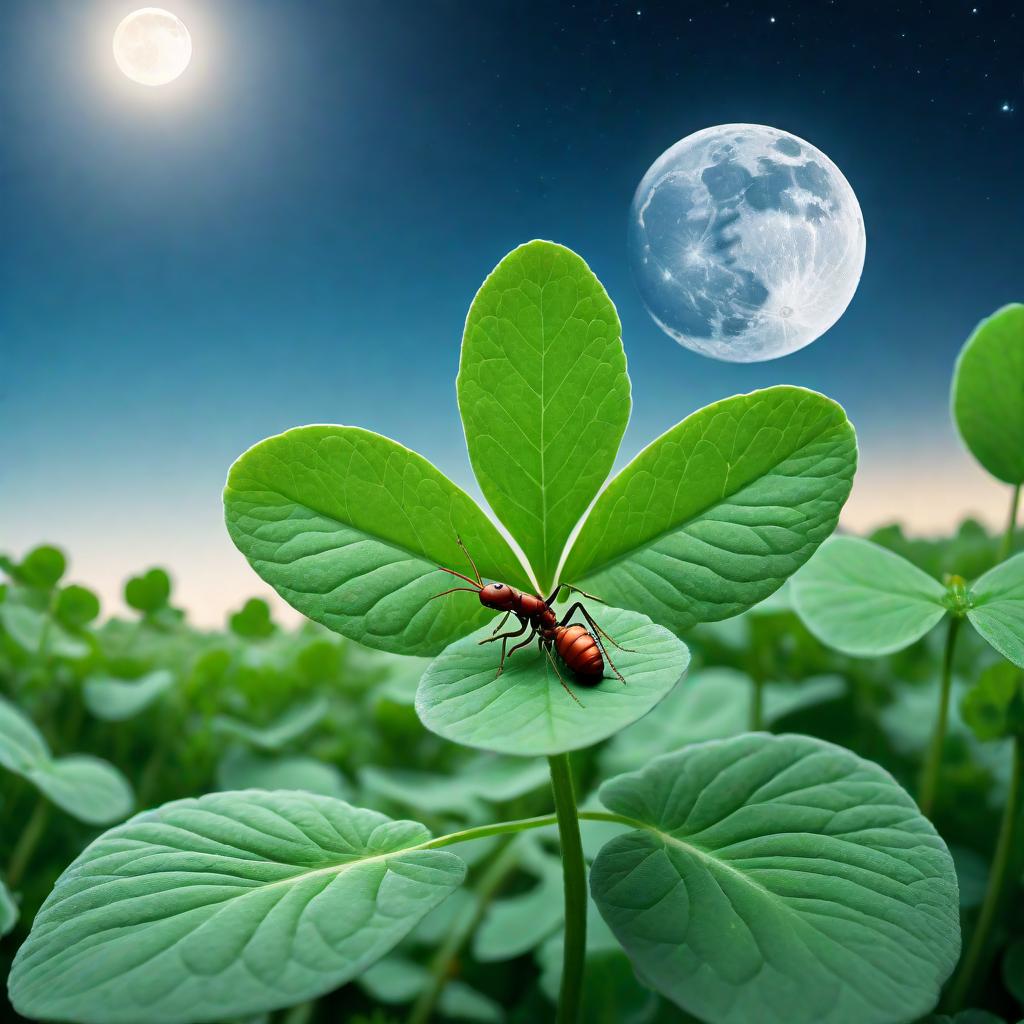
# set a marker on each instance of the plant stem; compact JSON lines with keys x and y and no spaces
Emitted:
{"x":975,"y":958}
{"x":575,"y":878}
{"x":521,"y":825}
{"x":930,"y":779}
{"x":1011,"y":526}
{"x":757,"y":704}
{"x":27,"y":842}
{"x":481,"y":831}
{"x":440,"y":967}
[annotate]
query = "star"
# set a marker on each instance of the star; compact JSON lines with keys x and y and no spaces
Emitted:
{"x":1007,"y":107}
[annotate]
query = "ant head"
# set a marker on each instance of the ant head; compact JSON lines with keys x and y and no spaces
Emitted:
{"x":497,"y":595}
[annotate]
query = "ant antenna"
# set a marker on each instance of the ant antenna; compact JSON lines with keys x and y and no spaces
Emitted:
{"x":465,"y":551}
{"x":472,"y":583}
{"x":454,"y":590}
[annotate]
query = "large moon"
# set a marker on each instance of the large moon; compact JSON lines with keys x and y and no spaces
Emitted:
{"x":746,"y":242}
{"x":152,"y":46}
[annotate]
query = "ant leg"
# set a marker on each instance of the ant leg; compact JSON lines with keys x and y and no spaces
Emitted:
{"x":598,"y":634}
{"x":574,"y":590}
{"x":504,"y":655}
{"x":522,"y":643}
{"x":505,"y":636}
{"x":465,"y":551}
{"x":501,"y":622}
{"x":554,"y":665}
{"x":590,"y":621}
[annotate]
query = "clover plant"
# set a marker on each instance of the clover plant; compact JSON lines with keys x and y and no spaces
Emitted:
{"x":777,"y":878}
{"x":994,"y":709}
{"x":988,"y":402}
{"x":866,"y":601}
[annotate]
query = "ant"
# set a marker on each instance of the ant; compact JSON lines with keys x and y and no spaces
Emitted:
{"x":583,"y":650}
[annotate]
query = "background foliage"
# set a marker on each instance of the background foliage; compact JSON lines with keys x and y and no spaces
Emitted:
{"x":178,"y":712}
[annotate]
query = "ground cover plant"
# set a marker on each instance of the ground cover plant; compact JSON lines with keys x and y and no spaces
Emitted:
{"x":640,"y":849}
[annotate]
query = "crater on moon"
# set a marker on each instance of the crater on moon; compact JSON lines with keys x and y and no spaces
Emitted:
{"x":747,"y":243}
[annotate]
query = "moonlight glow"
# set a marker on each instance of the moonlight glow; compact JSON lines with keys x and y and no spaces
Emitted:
{"x":747,"y":243}
{"x":152,"y":46}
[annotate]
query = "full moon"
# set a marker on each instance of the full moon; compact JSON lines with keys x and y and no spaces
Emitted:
{"x":746,"y":242}
{"x":152,"y":46}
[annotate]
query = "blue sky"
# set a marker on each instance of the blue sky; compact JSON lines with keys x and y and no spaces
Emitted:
{"x":292,"y":233}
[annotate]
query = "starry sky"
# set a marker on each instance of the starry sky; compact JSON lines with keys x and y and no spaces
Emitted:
{"x":292,"y":233}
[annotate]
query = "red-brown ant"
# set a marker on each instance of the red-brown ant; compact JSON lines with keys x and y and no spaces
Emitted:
{"x":583,"y":650}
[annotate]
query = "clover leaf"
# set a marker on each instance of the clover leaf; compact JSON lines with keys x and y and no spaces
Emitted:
{"x":779,"y":879}
{"x":236,"y":903}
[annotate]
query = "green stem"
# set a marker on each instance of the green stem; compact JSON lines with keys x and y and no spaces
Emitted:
{"x":27,"y":842}
{"x":482,"y":831}
{"x":933,"y":763}
{"x":150,"y":776}
{"x":1011,"y":526}
{"x":575,"y":878}
{"x":975,"y":958}
{"x":441,"y":966}
{"x":521,"y":825}
{"x":757,"y":704}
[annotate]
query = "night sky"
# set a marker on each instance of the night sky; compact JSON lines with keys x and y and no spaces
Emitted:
{"x":292,"y":233}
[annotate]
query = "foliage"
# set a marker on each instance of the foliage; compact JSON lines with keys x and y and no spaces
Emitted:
{"x":864,"y":600}
{"x":462,"y":699}
{"x":370,"y":750}
{"x":988,"y":403}
{"x":236,"y":902}
{"x":544,"y":395}
{"x":702,"y":884}
{"x":740,"y":875}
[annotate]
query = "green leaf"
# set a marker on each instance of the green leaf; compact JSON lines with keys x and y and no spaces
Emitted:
{"x":243,"y":769}
{"x":779,"y":879}
{"x":291,"y":726}
{"x":544,"y":395}
{"x":488,"y":777}
{"x":396,"y":980}
{"x":713,"y":516}
{"x":8,"y":911}
{"x":864,"y":600}
{"x":996,"y":608}
{"x":988,"y":394}
{"x":971,"y":876}
{"x":149,"y":592}
{"x":253,"y":620}
{"x":87,"y":788}
{"x":33,"y":630}
{"x":526,"y":711}
{"x":994,"y":706}
{"x":1013,"y":970}
{"x":115,"y":700}
{"x":708,"y":705}
{"x":231,"y":904}
{"x":77,"y":606}
{"x":42,"y":567}
{"x":513,"y":926}
{"x":349,"y":528}
{"x":500,"y":779}
{"x":432,"y":794}
{"x":964,"y":1017}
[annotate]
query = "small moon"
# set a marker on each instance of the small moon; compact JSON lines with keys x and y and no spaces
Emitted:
{"x":152,"y":46}
{"x":746,"y":242}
